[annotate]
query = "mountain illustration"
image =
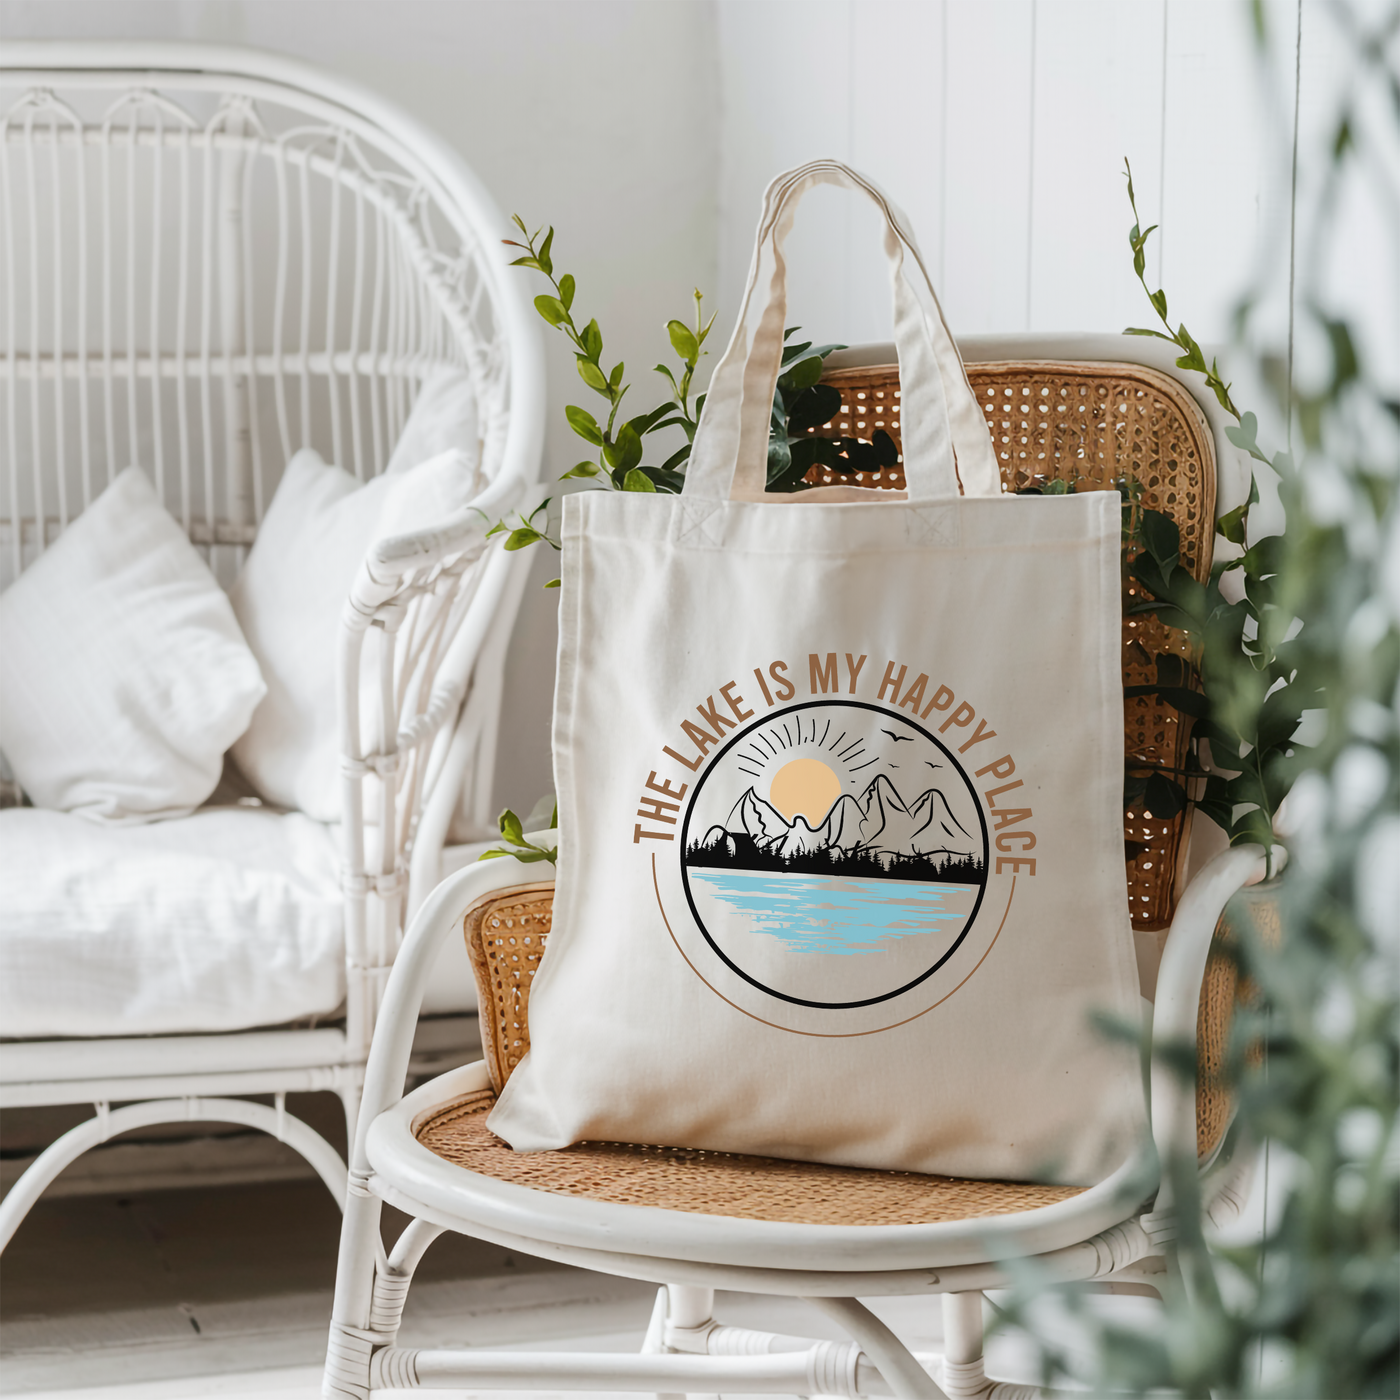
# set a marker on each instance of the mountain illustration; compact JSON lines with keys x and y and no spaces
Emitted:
{"x":875,"y":835}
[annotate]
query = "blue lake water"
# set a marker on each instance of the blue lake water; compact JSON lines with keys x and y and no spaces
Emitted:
{"x":832,"y":914}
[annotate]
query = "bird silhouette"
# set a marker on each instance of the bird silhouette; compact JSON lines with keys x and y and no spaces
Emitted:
{"x":932,"y":765}
{"x":898,"y":738}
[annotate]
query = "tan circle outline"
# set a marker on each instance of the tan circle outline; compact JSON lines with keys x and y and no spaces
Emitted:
{"x":825,"y":1035}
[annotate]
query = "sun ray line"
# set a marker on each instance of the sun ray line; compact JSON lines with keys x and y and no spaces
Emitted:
{"x":832,"y":745}
{"x":787,"y":738}
{"x":855,"y":745}
{"x":866,"y":764}
{"x":825,"y":732}
{"x":772,"y":751}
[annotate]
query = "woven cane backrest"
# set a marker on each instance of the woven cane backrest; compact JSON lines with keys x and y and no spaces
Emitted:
{"x":202,"y":273}
{"x":506,"y":935}
{"x":1222,"y":991}
{"x":1088,"y":424}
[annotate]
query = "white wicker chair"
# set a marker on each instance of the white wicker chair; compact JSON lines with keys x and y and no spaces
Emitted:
{"x":210,"y":258}
{"x":697,"y":1221}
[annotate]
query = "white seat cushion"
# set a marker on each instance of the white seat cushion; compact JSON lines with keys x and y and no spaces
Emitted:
{"x":219,"y":921}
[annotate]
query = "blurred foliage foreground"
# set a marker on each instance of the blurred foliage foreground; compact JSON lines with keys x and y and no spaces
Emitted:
{"x":1306,"y":1304}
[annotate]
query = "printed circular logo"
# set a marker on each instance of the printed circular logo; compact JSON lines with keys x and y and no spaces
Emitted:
{"x":834,"y":854}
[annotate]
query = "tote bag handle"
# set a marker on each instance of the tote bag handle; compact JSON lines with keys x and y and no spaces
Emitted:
{"x":940,"y":416}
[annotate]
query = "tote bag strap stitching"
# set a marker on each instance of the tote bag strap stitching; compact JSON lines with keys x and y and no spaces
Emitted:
{"x":927,"y":376}
{"x":743,"y":382}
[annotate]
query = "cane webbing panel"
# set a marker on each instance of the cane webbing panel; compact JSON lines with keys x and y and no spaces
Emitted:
{"x":505,"y":937}
{"x":721,"y":1183}
{"x":1222,"y":990}
{"x":1088,"y":424}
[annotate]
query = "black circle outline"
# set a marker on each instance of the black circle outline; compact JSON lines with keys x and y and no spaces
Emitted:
{"x":685,"y":845}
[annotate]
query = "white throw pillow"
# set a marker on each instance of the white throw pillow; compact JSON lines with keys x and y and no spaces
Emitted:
{"x":443,"y":417}
{"x":289,"y":599}
{"x":124,"y":676}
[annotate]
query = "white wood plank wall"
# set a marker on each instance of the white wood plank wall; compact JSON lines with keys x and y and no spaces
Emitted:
{"x":1001,"y":127}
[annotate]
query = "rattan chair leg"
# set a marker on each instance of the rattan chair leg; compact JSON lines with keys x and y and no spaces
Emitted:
{"x":654,"y":1343}
{"x":353,"y":1336}
{"x":897,"y":1364}
{"x":963,"y":1374}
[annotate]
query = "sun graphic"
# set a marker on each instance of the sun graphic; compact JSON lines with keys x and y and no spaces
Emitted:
{"x":806,"y":786}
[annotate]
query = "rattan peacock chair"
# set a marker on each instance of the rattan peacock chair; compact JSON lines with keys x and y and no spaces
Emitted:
{"x":696,"y":1220}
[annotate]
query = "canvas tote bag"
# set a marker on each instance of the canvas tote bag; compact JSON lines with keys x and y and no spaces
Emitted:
{"x":840,"y":864}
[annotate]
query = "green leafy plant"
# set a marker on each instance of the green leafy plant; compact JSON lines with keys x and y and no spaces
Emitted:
{"x":800,"y":405}
{"x":1243,"y":723}
{"x":1309,"y":1305}
{"x":512,"y":832}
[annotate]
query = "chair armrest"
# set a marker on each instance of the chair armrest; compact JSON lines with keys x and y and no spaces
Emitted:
{"x":439,"y":918}
{"x":1177,"y":1007}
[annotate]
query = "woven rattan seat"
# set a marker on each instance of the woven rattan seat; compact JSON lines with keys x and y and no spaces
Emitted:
{"x":722,"y":1183}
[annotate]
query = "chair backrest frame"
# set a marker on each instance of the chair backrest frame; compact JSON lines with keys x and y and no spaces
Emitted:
{"x":208,"y":343}
{"x":225,"y":256}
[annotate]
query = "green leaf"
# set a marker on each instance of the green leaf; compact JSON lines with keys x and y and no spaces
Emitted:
{"x":647,"y":422}
{"x":1193,"y":358}
{"x":1232,"y":524}
{"x":683,"y":341}
{"x":554,"y":583}
{"x":584,"y":424}
{"x":510,"y":828}
{"x":1162,"y":797}
{"x":500,"y":527}
{"x":528,"y":262}
{"x":813,"y":408}
{"x":545,"y":264}
{"x":552,"y":309}
{"x":493,"y":854}
{"x":636,"y":480}
{"x":1140,"y":330}
{"x":802,"y":375}
{"x":615,"y":378}
{"x":592,"y":339}
{"x":676,"y":461}
{"x":624,"y":454}
{"x":591,"y":375}
{"x":1162,"y":538}
{"x":518,"y":539}
{"x":671,"y":379}
{"x":667,"y":482}
{"x":1159,"y":300}
{"x":779,"y":461}
{"x":1245,"y":435}
{"x":582,"y":469}
{"x":566,"y":290}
